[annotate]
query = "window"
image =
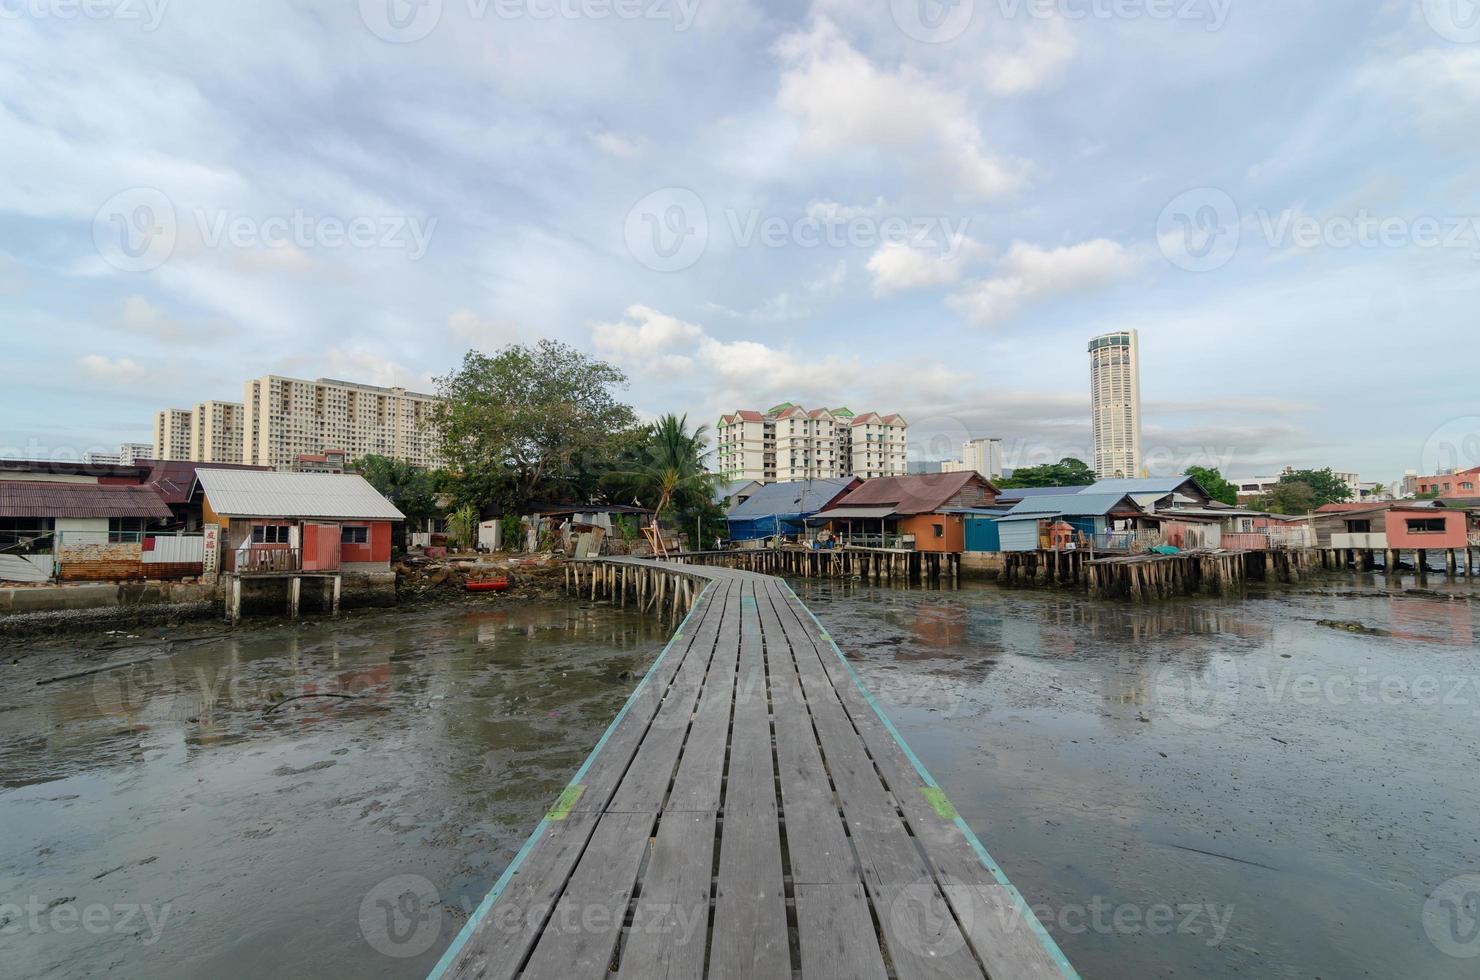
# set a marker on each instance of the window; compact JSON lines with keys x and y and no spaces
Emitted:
{"x":1359,"y":527}
{"x":26,"y":535}
{"x":270,"y":534}
{"x":354,"y":535}
{"x":940,"y":530}
{"x":125,"y":530}
{"x":1426,"y":525}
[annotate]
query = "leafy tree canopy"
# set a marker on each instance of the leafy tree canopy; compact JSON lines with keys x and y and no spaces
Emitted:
{"x":1067,"y":472}
{"x":412,"y":489}
{"x":533,"y":422}
{"x":1325,"y":485}
{"x":1290,"y":497}
{"x":666,"y":468}
{"x":1211,"y":480}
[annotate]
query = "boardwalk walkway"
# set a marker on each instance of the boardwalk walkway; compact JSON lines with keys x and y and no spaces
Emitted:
{"x":751,"y":814}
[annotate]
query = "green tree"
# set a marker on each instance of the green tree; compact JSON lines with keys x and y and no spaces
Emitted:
{"x":412,"y":489}
{"x":1325,"y":486}
{"x":1067,"y":472}
{"x":530,"y":422}
{"x":669,"y":472}
{"x":1211,"y":480}
{"x":1289,"y":497}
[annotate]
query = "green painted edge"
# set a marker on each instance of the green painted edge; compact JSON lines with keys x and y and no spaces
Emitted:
{"x":470,"y":927}
{"x":1024,"y":910}
{"x":568,"y":798}
{"x":939,"y":802}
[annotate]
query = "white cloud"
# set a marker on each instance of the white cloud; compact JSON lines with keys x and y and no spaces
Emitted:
{"x":899,"y":267}
{"x":106,"y":369}
{"x":142,"y":316}
{"x":648,"y":339}
{"x":617,"y":145}
{"x":1029,"y":273}
{"x":1440,"y":85}
{"x":795,"y":304}
{"x":1037,"y":62}
{"x":368,"y":367}
{"x":484,"y":334}
{"x":845,"y":102}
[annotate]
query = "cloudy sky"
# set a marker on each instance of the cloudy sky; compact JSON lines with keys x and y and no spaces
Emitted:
{"x":885,"y":204}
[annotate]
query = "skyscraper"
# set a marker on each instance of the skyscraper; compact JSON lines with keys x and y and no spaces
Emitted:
{"x":1115,"y":398}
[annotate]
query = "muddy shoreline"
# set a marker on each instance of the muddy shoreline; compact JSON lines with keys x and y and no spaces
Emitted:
{"x":19,"y":632}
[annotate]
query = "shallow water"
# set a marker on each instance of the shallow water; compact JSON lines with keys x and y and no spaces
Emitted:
{"x":194,"y":831}
{"x":1205,"y":788}
{"x":1279,"y":787}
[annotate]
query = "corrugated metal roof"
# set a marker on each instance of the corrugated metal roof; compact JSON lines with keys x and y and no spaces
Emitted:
{"x":919,"y":494}
{"x":249,"y":493}
{"x":24,"y":498}
{"x":1162,"y":485}
{"x":1077,"y":504}
{"x":783,"y":499}
{"x":1015,"y":494}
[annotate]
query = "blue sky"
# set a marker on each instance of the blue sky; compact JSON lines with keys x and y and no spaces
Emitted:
{"x":892,"y":205}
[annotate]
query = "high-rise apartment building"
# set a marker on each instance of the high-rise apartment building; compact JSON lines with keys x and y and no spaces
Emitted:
{"x":128,"y":454}
{"x":1115,"y":399}
{"x":285,"y":418}
{"x":216,"y":432}
{"x":790,"y":443}
{"x":982,"y":456}
{"x":172,"y":433}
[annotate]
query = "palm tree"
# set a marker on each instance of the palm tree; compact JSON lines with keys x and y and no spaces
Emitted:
{"x":671,"y":464}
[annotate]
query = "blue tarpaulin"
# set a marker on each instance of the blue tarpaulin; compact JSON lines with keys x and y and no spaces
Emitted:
{"x":782,"y":507}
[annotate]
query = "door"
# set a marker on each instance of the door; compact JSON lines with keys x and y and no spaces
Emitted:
{"x":320,"y":547}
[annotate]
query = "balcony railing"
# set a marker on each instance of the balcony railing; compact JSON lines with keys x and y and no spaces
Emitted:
{"x":268,"y":561}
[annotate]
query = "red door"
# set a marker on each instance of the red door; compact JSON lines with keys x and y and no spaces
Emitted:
{"x":320,"y":547}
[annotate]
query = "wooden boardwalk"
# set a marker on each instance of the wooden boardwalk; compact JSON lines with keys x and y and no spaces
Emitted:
{"x":751,"y":814}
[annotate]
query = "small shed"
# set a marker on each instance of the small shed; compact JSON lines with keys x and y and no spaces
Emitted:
{"x":80,"y":531}
{"x":921,"y":511}
{"x":1088,"y":517}
{"x":289,"y":522}
{"x":784,"y":508}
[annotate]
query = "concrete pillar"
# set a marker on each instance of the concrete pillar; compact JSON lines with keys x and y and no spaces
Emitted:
{"x":338,"y":590}
{"x":295,"y":594}
{"x":1421,"y":562}
{"x":1450,"y":562}
{"x":236,"y":599}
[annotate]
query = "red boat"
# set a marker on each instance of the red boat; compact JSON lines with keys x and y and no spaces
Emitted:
{"x":489,"y":585}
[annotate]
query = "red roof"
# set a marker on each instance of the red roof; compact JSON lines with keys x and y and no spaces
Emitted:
{"x":922,"y":494}
{"x":750,"y":416}
{"x":23,"y":498}
{"x":174,"y":479}
{"x":1346,"y":508}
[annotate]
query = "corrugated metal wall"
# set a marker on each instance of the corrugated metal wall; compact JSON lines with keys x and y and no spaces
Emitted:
{"x":982,"y":534}
{"x":1019,"y":535}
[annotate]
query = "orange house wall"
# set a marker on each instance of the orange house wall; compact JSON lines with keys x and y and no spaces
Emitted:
{"x":377,"y":551}
{"x":922,"y":526}
{"x":1453,"y":536}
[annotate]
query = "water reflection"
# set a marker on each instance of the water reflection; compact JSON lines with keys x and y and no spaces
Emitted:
{"x":305,"y":762}
{"x":1272,"y":757}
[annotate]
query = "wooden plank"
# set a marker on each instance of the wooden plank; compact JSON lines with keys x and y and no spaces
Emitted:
{"x":670,"y":924}
{"x":581,"y":934}
{"x":501,"y":940}
{"x":835,"y":929}
{"x":1000,"y":926}
{"x":750,"y":931}
{"x":923,"y":938}
{"x":671,"y":919}
{"x":645,"y":784}
{"x":581,"y":937}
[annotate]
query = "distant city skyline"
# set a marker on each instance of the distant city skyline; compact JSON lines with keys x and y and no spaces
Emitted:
{"x":775,"y":202}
